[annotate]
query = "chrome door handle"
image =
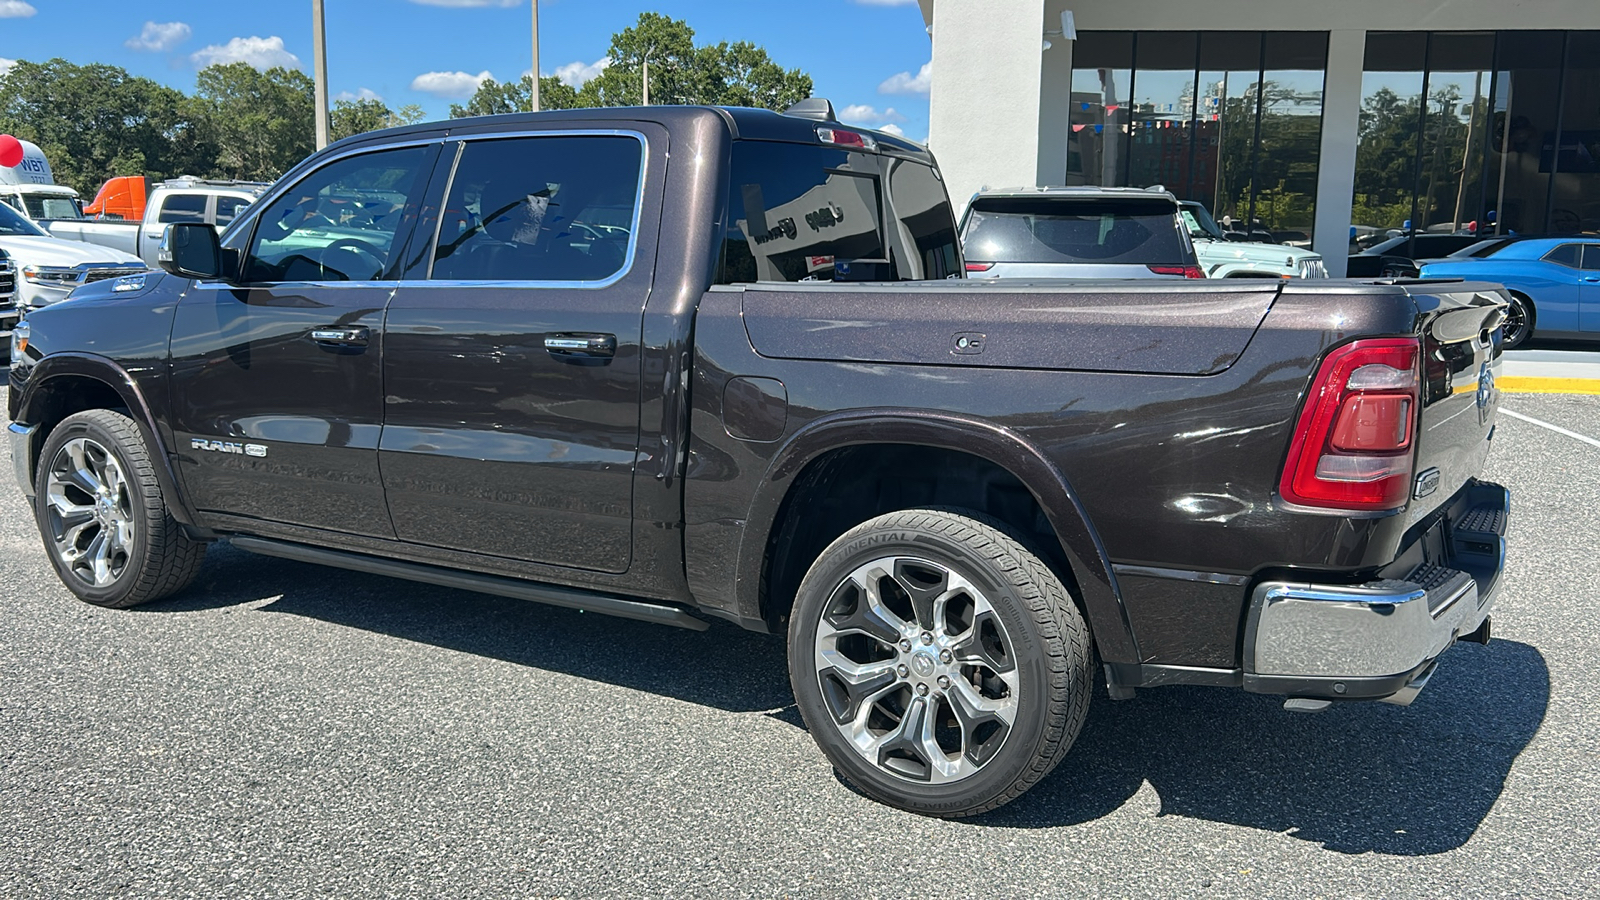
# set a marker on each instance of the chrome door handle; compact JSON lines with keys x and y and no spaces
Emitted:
{"x":1592,"y":280}
{"x":582,"y":346}
{"x":345,"y":337}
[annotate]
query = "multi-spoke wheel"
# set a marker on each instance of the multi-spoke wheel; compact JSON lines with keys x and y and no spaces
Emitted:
{"x":1518,"y":324}
{"x":940,"y":665}
{"x":105,"y":524}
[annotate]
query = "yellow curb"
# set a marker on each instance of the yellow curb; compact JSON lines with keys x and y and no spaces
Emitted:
{"x":1529,"y":384}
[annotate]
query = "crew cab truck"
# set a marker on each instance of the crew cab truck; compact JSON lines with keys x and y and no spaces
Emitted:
{"x":176,"y":200}
{"x":620,"y":360}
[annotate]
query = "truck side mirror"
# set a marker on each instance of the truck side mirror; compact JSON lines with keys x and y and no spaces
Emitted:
{"x":190,"y":249}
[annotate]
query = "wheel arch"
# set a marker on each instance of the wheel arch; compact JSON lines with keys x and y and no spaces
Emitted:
{"x":66,"y":383}
{"x":769,"y":553}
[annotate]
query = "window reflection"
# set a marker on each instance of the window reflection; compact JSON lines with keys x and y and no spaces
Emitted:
{"x":1575,"y":206}
{"x":1102,"y":82}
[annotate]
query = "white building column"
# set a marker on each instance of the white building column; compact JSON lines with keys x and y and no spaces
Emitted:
{"x":1336,"y":167}
{"x":1055,"y":111}
{"x":984,"y":121}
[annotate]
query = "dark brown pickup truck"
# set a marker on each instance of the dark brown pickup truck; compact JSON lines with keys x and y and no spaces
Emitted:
{"x":687,"y":364}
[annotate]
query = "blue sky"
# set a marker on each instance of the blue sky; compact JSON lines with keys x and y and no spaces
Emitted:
{"x":868,"y":55}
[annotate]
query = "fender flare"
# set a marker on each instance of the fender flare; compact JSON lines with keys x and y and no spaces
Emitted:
{"x":114,"y":376}
{"x":1102,"y":600}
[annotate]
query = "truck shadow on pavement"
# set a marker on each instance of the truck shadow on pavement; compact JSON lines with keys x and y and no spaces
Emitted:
{"x":1362,"y":777}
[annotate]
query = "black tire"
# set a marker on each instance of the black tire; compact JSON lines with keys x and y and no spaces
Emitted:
{"x":153,"y":558}
{"x":1015,"y":641}
{"x":1518,"y":326}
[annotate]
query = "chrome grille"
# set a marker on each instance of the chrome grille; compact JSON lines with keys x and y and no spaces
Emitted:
{"x":8,"y":284}
{"x":1312,"y":267}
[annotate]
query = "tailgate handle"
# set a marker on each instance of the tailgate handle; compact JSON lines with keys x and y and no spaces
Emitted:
{"x":582,"y":346}
{"x":344,"y":337}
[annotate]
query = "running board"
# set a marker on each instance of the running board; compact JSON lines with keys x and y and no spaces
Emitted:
{"x":571,"y":598}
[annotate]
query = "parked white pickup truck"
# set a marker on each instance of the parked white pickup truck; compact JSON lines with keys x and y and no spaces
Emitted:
{"x":214,"y":203}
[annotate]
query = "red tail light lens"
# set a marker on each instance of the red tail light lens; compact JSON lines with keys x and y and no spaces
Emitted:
{"x":979,"y":267}
{"x":1352,"y":447}
{"x":1185,"y":271}
{"x":842,"y":138}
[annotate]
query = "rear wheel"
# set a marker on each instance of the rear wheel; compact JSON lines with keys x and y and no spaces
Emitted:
{"x":940,"y":665}
{"x":104,"y":521}
{"x":1519,"y":322}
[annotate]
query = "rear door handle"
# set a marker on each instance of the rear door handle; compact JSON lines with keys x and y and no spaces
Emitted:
{"x":582,"y":346}
{"x":343,"y":337}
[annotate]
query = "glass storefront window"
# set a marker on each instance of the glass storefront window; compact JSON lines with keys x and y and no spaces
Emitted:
{"x":1102,"y":90}
{"x":1159,"y":150}
{"x":1386,"y":149}
{"x":1527,"y":95}
{"x":1575,"y":192}
{"x":1450,"y":190}
{"x":1290,"y":138}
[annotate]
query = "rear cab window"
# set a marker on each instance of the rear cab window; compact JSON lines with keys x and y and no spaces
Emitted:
{"x":799,"y":212}
{"x":183,"y":208}
{"x":1045,"y":229}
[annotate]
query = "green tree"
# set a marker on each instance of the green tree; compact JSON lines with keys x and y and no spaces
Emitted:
{"x":262,"y":123}
{"x":495,"y":98}
{"x":739,"y":74}
{"x":351,"y":117}
{"x":97,"y":121}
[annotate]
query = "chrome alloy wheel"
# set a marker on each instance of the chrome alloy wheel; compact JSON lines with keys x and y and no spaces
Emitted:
{"x":917,"y":670}
{"x":89,"y":508}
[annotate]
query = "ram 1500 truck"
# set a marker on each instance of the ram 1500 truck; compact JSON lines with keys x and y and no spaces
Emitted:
{"x":684,"y":364}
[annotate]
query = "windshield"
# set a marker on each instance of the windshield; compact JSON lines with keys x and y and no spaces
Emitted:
{"x":46,"y":207}
{"x":1041,"y":230}
{"x":1200,"y":224}
{"x":12,"y":224}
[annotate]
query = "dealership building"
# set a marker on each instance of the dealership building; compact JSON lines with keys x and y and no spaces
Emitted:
{"x":1317,"y":120}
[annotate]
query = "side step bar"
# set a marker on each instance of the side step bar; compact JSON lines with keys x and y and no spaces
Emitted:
{"x":571,"y":598}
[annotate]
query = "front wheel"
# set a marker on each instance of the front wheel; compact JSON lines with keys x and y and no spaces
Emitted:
{"x":1518,"y":324}
{"x":940,"y":665}
{"x":103,"y":518}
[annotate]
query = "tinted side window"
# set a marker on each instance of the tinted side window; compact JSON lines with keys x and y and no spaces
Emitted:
{"x":228,"y":208}
{"x":558,"y":208}
{"x":1565,"y":255}
{"x":183,"y":208}
{"x":1049,"y":230}
{"x":795,"y":212}
{"x":926,"y":221}
{"x":1591,"y":257}
{"x":339,"y":223}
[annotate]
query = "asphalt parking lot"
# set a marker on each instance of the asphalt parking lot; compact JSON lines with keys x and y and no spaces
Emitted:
{"x":287,"y":730}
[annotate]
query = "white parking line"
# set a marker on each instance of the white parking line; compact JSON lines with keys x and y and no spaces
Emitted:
{"x":1556,"y":428}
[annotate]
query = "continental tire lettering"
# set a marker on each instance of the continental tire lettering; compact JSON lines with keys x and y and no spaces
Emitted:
{"x":872,"y":540}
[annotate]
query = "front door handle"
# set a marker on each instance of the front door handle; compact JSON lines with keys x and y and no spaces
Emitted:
{"x":1592,"y":279}
{"x":582,"y":346}
{"x":343,"y":337}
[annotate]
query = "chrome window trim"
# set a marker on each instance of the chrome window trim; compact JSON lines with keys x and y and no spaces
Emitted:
{"x":633,"y":231}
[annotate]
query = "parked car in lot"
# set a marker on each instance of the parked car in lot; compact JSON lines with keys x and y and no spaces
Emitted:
{"x":1223,"y":257}
{"x":962,"y":501}
{"x":1077,"y":232}
{"x":48,"y":269}
{"x":1396,"y":257}
{"x":214,"y":203}
{"x":1553,"y":284}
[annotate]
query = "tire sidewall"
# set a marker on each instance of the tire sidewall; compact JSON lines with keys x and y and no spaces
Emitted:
{"x":85,"y":425}
{"x":1526,"y":310}
{"x":1030,"y":727}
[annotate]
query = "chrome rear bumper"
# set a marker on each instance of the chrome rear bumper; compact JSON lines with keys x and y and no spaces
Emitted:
{"x":1380,"y":640}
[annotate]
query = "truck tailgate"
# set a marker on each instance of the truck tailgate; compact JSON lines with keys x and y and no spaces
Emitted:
{"x":1159,"y":327}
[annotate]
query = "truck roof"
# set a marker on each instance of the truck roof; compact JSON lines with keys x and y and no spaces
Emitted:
{"x":742,"y":124}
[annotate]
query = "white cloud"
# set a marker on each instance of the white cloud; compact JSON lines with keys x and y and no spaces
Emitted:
{"x":363,"y":94}
{"x":905,"y":83}
{"x":574,"y":74}
{"x":262,"y":53}
{"x":158,"y":36}
{"x":16,"y":9}
{"x":865,"y":114}
{"x":6,"y":64}
{"x":465,"y":4}
{"x":449,"y":85}
{"x":893,"y":129}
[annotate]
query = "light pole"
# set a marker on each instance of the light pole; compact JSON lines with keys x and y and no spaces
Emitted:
{"x":645,"y":90}
{"x":319,"y":50}
{"x":534,"y":78}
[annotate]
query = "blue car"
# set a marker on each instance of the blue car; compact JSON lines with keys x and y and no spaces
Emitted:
{"x":1554,"y":284}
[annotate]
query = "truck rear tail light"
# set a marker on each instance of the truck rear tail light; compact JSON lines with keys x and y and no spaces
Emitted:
{"x":979,"y":267}
{"x":842,"y":138}
{"x":1352,"y":447}
{"x":1185,"y":271}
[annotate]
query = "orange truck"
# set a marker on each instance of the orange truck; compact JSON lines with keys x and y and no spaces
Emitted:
{"x":121,"y":197}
